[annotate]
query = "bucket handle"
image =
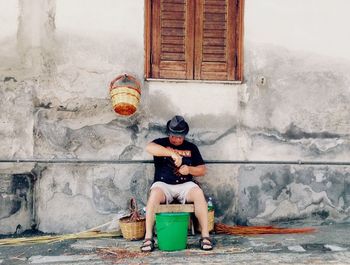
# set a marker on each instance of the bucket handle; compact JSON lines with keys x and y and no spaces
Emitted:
{"x":125,"y":77}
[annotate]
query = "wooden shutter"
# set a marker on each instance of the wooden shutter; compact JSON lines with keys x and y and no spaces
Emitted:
{"x":172,"y":39}
{"x":215,"y":46}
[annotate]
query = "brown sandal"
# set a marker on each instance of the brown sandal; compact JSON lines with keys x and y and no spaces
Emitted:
{"x":147,"y":245}
{"x":207,"y":244}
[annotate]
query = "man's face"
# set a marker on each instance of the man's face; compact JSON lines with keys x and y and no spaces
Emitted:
{"x":176,"y":140}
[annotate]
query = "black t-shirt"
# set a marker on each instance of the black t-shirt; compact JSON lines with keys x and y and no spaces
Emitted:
{"x":165,"y":169}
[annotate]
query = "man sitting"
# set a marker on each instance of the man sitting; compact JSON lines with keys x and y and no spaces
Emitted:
{"x":176,"y":162}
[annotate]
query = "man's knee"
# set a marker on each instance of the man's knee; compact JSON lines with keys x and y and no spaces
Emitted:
{"x":195,"y":193}
{"x":157,"y":195}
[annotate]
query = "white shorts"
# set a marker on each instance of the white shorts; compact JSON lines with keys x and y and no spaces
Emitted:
{"x":177,"y":191}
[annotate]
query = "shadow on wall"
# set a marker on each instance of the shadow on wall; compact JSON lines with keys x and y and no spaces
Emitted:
{"x":16,"y":203}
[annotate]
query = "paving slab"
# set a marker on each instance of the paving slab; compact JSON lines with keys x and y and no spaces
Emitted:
{"x":328,"y":245}
{"x":62,"y":259}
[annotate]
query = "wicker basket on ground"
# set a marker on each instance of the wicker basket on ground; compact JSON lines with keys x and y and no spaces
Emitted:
{"x":133,"y":226}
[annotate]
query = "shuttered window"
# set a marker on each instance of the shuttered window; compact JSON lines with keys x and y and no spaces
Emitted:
{"x":194,"y":39}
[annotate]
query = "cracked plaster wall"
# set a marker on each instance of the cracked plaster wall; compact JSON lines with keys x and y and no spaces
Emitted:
{"x":299,"y":112}
{"x":57,"y":62}
{"x":75,"y":198}
{"x":281,"y":193}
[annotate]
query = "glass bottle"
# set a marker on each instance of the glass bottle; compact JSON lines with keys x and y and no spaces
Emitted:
{"x":210,"y":204}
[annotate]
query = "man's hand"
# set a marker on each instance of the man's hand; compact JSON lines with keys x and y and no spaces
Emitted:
{"x":177,"y":159}
{"x":184,"y":170}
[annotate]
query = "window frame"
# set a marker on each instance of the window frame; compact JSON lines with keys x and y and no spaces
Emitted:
{"x":237,"y":60}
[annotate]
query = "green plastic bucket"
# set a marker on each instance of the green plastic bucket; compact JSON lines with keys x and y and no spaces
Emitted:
{"x":172,"y":230}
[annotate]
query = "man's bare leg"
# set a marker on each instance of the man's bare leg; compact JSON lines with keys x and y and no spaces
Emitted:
{"x":196,"y":196}
{"x":156,"y":197}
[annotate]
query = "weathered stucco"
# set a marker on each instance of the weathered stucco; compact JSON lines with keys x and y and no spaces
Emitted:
{"x":97,"y":193}
{"x":280,"y":193}
{"x":56,"y":62}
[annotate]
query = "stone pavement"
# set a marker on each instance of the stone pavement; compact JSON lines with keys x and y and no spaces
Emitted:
{"x":329,"y":245}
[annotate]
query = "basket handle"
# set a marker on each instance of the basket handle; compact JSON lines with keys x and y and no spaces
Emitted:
{"x":133,"y":205}
{"x":134,"y":214}
{"x":125,"y":77}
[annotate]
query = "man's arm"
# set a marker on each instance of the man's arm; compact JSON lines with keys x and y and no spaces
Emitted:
{"x":196,"y":171}
{"x":158,"y":150}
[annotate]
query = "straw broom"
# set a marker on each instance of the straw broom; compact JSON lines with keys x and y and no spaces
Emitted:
{"x":258,"y":230}
{"x":91,"y":233}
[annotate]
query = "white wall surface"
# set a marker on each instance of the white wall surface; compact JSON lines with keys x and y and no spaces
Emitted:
{"x":8,"y":18}
{"x":116,"y":17}
{"x":8,"y":32}
{"x":318,"y":26}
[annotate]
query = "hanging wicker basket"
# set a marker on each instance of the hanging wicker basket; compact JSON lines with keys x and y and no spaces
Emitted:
{"x":125,"y":93}
{"x":133,"y":226}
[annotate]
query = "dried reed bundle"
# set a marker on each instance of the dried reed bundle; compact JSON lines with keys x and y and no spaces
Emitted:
{"x":91,"y":233}
{"x":258,"y":230}
{"x":120,"y":254}
{"x":58,"y":238}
